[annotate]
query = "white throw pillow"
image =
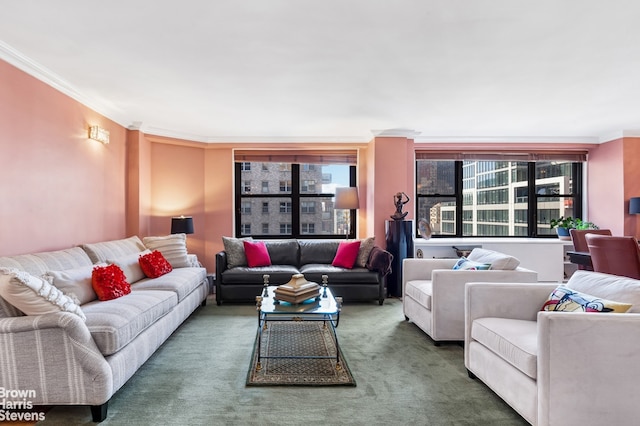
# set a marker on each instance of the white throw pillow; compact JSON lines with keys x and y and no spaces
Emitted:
{"x":173,"y":247}
{"x":497,"y":260}
{"x":34,"y":295}
{"x":130,"y":265}
{"x":75,"y":281}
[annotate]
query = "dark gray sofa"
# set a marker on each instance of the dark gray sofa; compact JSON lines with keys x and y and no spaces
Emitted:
{"x":312,"y":258}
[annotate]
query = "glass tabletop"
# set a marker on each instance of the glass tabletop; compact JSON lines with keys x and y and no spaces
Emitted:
{"x":326,"y":305}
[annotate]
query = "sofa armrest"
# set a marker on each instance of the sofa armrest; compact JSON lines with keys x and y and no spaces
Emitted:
{"x":595,"y":353}
{"x":221,"y":266}
{"x":448,"y":295}
{"x":193,"y":261}
{"x":68,"y":360}
{"x":420,"y":269}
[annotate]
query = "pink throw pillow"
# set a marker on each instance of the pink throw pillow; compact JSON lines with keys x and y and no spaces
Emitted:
{"x":257,"y":254}
{"x":347,"y":254}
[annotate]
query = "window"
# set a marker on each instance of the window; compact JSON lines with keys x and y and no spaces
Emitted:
{"x":308,"y":207}
{"x":285,"y":186}
{"x":285,"y":229}
{"x":308,"y":186}
{"x":294,"y":199}
{"x":245,"y":167}
{"x":285,"y":207}
{"x":492,"y":197}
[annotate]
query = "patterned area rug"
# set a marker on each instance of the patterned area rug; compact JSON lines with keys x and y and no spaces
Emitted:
{"x":300,"y":339}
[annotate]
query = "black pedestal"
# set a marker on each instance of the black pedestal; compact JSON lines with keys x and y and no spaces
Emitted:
{"x":399,"y":235}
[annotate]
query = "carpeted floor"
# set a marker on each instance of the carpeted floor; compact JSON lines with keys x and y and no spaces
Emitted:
{"x":198,"y":378}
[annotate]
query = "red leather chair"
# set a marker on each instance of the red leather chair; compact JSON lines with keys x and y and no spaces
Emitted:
{"x":614,"y":255}
{"x":580,"y":243}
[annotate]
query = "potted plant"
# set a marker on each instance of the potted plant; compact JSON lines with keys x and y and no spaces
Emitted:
{"x":563,"y":224}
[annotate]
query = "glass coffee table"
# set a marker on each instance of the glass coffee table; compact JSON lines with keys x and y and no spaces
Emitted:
{"x":325,"y":308}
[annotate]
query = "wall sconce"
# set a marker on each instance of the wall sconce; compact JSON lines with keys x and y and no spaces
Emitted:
{"x":182,"y":225}
{"x":99,"y":134}
{"x":634,"y":205}
{"x":347,"y":199}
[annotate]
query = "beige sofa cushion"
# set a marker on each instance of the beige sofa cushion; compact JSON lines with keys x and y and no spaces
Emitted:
{"x":115,"y":323}
{"x":513,"y":340}
{"x":100,"y":252}
{"x":182,"y":281}
{"x":420,"y":291}
{"x":497,"y":260}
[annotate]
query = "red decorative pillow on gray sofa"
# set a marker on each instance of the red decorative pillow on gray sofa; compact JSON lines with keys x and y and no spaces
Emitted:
{"x":109,"y":282}
{"x":154,"y":264}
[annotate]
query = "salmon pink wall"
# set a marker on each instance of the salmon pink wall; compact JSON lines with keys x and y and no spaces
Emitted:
{"x":605,"y":177}
{"x":613,"y":178}
{"x":59,"y":189}
{"x":631,"y":158}
{"x":177,"y":188}
{"x":392,"y":172}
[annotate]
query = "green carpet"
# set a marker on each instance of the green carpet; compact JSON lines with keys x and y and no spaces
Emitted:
{"x":299,"y":339}
{"x":198,"y":377}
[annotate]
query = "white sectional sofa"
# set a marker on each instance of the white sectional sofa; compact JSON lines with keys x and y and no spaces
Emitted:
{"x":69,"y":361}
{"x":557,"y":368}
{"x":433,"y":293}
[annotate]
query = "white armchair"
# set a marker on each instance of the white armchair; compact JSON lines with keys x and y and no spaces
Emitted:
{"x":556,"y":368}
{"x":433,"y":293}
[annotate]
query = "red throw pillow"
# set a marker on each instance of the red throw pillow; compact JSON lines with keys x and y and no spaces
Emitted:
{"x":257,"y":254}
{"x":347,"y":254}
{"x":154,"y":264}
{"x":109,"y":282}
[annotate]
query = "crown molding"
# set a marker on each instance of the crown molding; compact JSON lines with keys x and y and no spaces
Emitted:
{"x":509,"y":139}
{"x":34,"y":69}
{"x":619,"y":135}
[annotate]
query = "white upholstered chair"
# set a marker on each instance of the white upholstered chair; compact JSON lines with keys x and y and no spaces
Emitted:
{"x":433,"y":292}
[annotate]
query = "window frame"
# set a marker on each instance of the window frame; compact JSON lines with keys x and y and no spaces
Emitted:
{"x":577,"y":170}
{"x":297,"y":196}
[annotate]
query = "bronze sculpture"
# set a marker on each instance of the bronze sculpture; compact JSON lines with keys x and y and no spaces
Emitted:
{"x":400,"y":199}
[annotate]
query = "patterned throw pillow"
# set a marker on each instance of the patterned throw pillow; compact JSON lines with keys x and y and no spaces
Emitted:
{"x":234,"y":248}
{"x":257,"y":253}
{"x":35,"y":295}
{"x":366,"y":246}
{"x":464,"y":264}
{"x":347,"y":254}
{"x":567,"y":300}
{"x":154,"y":264}
{"x":109,"y":282}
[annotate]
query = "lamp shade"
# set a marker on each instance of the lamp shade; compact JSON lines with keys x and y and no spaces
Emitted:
{"x":634,"y":205}
{"x":182,"y":225}
{"x":347,"y":198}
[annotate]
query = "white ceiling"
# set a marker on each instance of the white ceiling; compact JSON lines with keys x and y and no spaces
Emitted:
{"x":255,"y":70}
